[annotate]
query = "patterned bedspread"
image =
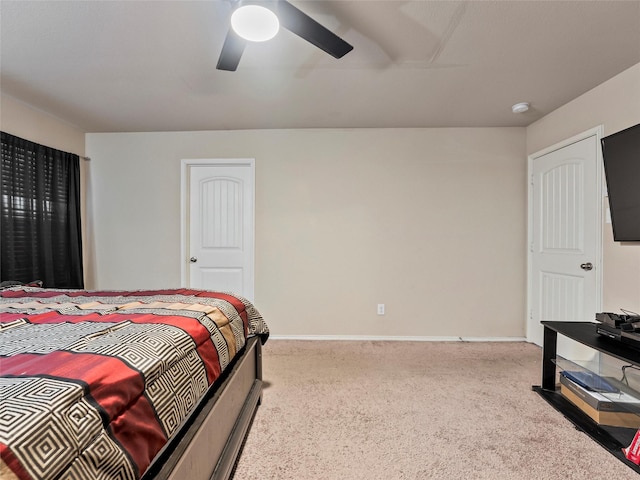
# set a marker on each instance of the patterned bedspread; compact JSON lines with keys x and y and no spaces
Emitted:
{"x":93,"y":383}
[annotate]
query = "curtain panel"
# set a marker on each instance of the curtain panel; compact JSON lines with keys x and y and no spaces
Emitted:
{"x":40,"y":230}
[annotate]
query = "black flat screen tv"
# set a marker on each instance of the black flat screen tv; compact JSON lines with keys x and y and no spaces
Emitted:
{"x":621,"y":156}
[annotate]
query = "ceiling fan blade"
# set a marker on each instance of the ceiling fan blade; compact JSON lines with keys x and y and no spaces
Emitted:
{"x":307,"y":28}
{"x":231,"y":51}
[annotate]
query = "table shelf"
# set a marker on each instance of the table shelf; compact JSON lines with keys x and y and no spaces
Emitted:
{"x":612,"y":439}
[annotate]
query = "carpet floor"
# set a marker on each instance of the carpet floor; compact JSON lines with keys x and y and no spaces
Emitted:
{"x":413,"y":410}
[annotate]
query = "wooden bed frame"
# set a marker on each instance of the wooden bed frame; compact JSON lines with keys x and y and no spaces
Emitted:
{"x":207,"y":446}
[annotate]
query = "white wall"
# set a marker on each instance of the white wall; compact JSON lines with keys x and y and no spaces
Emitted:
{"x":616,"y":105}
{"x":332,"y":206}
{"x":25,"y":121}
{"x":430,"y":222}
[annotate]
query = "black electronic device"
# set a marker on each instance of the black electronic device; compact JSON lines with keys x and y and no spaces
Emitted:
{"x":623,"y":328}
{"x":629,"y":327}
{"x":621,"y":157}
{"x":609,"y":331}
{"x":612,"y":319}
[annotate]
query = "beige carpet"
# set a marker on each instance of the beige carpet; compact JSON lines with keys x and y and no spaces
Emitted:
{"x":413,"y":410}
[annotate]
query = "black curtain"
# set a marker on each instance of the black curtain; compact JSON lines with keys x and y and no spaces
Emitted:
{"x":40,"y":231}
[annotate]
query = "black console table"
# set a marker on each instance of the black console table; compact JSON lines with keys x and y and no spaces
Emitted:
{"x":611,"y":438}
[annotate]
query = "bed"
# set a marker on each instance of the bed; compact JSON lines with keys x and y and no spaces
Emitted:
{"x":126,"y":384}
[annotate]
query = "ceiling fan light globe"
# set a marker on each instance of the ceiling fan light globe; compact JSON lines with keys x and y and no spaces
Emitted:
{"x":255,"y":23}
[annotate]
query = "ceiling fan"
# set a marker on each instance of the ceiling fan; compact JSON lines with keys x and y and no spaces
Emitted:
{"x":288,"y":17}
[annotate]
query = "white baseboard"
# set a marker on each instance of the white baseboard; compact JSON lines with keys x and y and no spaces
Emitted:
{"x":384,"y":338}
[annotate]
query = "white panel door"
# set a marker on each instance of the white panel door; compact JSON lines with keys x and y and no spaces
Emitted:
{"x":565,"y":238}
{"x":220,"y":230}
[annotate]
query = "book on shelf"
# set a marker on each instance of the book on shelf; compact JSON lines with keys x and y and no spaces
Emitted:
{"x":620,"y":409}
{"x":622,"y":400}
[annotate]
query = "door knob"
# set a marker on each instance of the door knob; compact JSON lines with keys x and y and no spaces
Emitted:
{"x":193,"y":259}
{"x":586,"y":266}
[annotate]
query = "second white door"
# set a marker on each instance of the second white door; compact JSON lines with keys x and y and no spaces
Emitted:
{"x":566,"y":235}
{"x":220,"y":225}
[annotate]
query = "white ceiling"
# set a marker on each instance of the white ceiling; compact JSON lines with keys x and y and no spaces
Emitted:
{"x":150,"y":65}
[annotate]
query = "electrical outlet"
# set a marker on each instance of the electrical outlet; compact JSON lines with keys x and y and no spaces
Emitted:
{"x":381,"y":309}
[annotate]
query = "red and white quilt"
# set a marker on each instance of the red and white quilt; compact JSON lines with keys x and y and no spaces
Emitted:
{"x":92,"y":384}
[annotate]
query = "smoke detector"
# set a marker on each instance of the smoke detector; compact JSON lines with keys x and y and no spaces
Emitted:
{"x":520,"y":107}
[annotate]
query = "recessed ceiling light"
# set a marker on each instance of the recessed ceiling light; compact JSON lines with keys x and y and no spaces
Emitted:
{"x":520,"y":107}
{"x":255,"y":23}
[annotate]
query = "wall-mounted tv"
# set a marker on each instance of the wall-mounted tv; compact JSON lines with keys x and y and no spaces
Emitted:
{"x":621,"y":156}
